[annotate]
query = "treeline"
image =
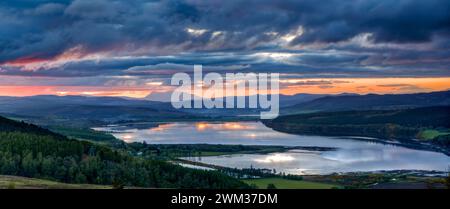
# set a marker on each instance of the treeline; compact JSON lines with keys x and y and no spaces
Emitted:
{"x":418,"y":117}
{"x":7,"y":125}
{"x":386,"y":124}
{"x":192,"y":150}
{"x":84,"y":134}
{"x":443,"y":140}
{"x":39,"y":153}
{"x":403,"y":125}
{"x":382,"y":131}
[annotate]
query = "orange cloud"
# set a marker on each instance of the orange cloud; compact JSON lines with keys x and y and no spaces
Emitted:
{"x":74,"y":90}
{"x":24,"y":60}
{"x":288,"y":87}
{"x":366,"y":85}
{"x":31,"y":63}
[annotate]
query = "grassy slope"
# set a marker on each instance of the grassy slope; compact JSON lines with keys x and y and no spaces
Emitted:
{"x":288,"y":184}
{"x":83,"y":134}
{"x":431,"y":134}
{"x":17,"y":182}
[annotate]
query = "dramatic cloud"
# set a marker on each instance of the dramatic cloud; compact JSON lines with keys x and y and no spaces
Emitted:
{"x":99,"y":40}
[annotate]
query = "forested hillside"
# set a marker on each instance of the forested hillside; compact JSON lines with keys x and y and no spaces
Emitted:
{"x":85,"y":111}
{"x":30,"y":151}
{"x":405,"y":125}
{"x":417,"y":117}
{"x":370,"y":102}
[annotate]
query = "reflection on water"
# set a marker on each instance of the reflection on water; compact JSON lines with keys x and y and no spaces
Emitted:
{"x":351,"y":155}
{"x":162,"y":127}
{"x":342,"y":160}
{"x":275,"y":158}
{"x":195,"y":166}
{"x":201,"y":126}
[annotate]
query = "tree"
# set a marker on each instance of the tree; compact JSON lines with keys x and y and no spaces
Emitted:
{"x":7,"y":164}
{"x":80,"y":178}
{"x":28,"y":150}
{"x":271,"y":186}
{"x":48,"y":166}
{"x":144,"y":143}
{"x":29,"y":165}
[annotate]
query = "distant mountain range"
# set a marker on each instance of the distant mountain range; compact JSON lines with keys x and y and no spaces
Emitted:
{"x":93,"y":109}
{"x":70,"y":109}
{"x":285,"y":100}
{"x":306,"y":103}
{"x":370,"y":102}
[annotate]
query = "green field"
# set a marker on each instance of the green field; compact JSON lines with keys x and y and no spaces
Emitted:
{"x":17,"y":182}
{"x":288,"y":184}
{"x":83,"y":134}
{"x":431,"y":134}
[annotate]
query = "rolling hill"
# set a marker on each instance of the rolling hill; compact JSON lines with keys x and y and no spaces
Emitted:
{"x":86,"y":110}
{"x":370,"y":102}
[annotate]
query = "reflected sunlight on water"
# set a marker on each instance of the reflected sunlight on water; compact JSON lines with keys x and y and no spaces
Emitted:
{"x":223,"y":126}
{"x":350,"y":155}
{"x":163,"y":127}
{"x":275,"y":158}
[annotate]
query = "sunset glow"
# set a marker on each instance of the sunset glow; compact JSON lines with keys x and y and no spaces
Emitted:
{"x":234,"y":95}
{"x":73,"y":90}
{"x":287,"y":87}
{"x":363,"y":57}
{"x":366,"y":85}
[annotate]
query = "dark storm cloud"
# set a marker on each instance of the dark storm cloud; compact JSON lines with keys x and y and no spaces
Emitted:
{"x":228,"y":33}
{"x":389,"y":21}
{"x":299,"y":65}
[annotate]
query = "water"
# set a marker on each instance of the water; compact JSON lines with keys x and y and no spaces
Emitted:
{"x":351,"y":155}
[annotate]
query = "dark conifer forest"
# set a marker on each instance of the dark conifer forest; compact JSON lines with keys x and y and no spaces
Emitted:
{"x":30,"y":151}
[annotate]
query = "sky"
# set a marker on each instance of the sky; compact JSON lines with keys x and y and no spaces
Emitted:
{"x":132,"y":48}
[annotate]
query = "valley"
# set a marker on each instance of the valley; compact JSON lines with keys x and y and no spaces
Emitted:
{"x":329,"y":147}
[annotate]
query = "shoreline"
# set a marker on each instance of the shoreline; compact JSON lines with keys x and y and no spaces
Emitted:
{"x":408,"y":143}
{"x":411,"y":172}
